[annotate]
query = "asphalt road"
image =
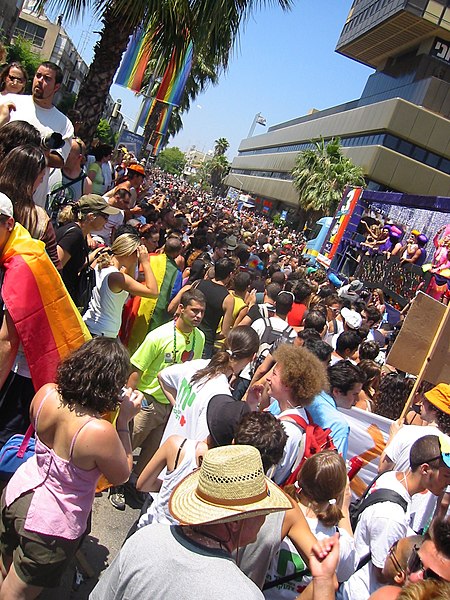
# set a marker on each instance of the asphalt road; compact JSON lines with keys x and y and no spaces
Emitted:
{"x":109,"y":529}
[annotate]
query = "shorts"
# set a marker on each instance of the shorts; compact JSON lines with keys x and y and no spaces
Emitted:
{"x":38,"y":559}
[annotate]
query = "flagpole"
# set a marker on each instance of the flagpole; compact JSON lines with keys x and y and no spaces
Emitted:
{"x":258,"y":119}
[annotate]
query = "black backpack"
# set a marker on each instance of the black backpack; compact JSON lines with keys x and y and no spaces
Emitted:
{"x":268,"y":339}
{"x":357,"y":507}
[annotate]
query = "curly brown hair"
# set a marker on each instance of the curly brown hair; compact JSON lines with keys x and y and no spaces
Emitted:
{"x":301,"y":372}
{"x":93,"y":376}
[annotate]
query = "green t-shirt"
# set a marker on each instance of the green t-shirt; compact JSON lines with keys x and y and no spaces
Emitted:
{"x":156,"y":353}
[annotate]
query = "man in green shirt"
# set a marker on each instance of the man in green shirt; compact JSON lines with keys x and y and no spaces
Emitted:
{"x":174,"y":342}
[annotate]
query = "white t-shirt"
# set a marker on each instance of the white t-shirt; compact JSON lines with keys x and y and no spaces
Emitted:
{"x":423,"y":504}
{"x":188,"y":416}
{"x":293,"y":448}
{"x":378,"y":528}
{"x":46,"y":120}
{"x":287,"y":560}
{"x":399,"y":448}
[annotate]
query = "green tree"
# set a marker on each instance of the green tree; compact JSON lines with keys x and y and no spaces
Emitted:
{"x":212,"y":25}
{"x":221,"y":146}
{"x":217,"y":168}
{"x":320,"y":175}
{"x":104,"y":132}
{"x":171,"y":160}
{"x":21,"y":50}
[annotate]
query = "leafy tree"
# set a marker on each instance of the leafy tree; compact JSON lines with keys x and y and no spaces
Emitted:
{"x":171,"y":160}
{"x":21,"y":50}
{"x":104,"y":132}
{"x":221,"y":146}
{"x":320,"y":175}
{"x":213,"y":27}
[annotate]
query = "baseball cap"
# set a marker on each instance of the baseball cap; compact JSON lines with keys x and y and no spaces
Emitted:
{"x":136,"y":168}
{"x":444,"y":443}
{"x":95,"y":204}
{"x":351,"y":317}
{"x":439,"y":396}
{"x":223,"y":416}
{"x":6,"y":207}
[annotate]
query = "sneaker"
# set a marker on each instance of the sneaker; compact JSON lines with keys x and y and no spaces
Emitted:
{"x":117,"y":497}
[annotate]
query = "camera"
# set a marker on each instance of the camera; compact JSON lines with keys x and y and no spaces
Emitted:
{"x":52,"y":141}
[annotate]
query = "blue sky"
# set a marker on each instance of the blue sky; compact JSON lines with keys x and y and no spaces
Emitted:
{"x":283,"y":66}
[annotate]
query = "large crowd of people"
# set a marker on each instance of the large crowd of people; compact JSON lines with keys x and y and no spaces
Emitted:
{"x":176,"y":346}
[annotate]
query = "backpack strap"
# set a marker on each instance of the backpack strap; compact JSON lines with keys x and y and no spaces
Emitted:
{"x":297,"y":419}
{"x":381,"y":495}
{"x":271,"y":584}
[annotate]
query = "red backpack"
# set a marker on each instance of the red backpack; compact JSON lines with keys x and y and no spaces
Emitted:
{"x":315,"y":440}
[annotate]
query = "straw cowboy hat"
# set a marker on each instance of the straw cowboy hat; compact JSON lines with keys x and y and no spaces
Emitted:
{"x":229,"y":486}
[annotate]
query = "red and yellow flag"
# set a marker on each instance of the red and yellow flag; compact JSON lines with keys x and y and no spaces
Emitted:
{"x":47,"y":321}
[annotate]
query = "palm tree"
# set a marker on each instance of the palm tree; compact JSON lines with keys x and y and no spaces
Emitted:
{"x":221,"y":146}
{"x":211,"y":24}
{"x":320,"y":175}
{"x":217,"y":168}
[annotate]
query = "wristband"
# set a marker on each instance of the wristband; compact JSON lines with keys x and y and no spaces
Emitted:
{"x":123,"y":430}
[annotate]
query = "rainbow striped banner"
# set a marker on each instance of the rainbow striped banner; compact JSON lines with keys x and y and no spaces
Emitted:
{"x":48,"y":323}
{"x":134,"y":62}
{"x":170,"y":92}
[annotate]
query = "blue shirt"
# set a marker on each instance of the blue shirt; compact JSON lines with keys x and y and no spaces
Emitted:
{"x":324,"y":412}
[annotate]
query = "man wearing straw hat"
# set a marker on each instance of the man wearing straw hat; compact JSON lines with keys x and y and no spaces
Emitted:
{"x":221,"y":507}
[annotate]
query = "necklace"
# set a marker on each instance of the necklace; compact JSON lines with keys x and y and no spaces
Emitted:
{"x":405,"y":481}
{"x":187,"y":342}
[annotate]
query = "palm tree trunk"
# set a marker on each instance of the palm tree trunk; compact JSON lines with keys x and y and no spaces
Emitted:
{"x":150,"y":135}
{"x":94,"y":90}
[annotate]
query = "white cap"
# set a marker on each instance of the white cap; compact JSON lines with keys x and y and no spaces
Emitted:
{"x":351,"y":317}
{"x":6,"y":207}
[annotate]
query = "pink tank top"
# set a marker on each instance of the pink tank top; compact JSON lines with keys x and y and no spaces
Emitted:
{"x":63,"y":493}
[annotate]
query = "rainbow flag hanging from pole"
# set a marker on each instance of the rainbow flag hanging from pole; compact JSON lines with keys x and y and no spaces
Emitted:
{"x":134,"y":62}
{"x":170,"y":92}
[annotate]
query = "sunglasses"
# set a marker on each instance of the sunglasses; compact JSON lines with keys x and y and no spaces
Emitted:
{"x":415,"y":565}
{"x":13,"y":79}
{"x":394,"y":558}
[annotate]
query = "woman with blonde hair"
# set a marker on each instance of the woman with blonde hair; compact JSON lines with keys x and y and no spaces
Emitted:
{"x":322,"y":492}
{"x":115,"y":274}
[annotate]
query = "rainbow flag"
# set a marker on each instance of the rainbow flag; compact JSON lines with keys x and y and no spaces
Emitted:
{"x":48,"y":323}
{"x":170,"y":91}
{"x":134,"y":62}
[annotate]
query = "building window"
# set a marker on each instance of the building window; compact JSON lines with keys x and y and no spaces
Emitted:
{"x":29,"y":31}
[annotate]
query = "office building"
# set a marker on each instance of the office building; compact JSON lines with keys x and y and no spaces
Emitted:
{"x":398,"y":131}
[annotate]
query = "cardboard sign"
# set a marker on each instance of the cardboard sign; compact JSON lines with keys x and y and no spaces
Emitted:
{"x":416,"y":337}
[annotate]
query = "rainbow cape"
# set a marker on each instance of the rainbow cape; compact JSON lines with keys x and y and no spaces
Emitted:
{"x":138,"y":313}
{"x":48,"y":323}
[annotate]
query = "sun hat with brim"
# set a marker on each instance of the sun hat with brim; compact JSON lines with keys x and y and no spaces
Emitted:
{"x":93,"y":203}
{"x":223,"y":416}
{"x":439,"y":397}
{"x":229,"y":486}
{"x":6,"y":207}
{"x":231,"y":242}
